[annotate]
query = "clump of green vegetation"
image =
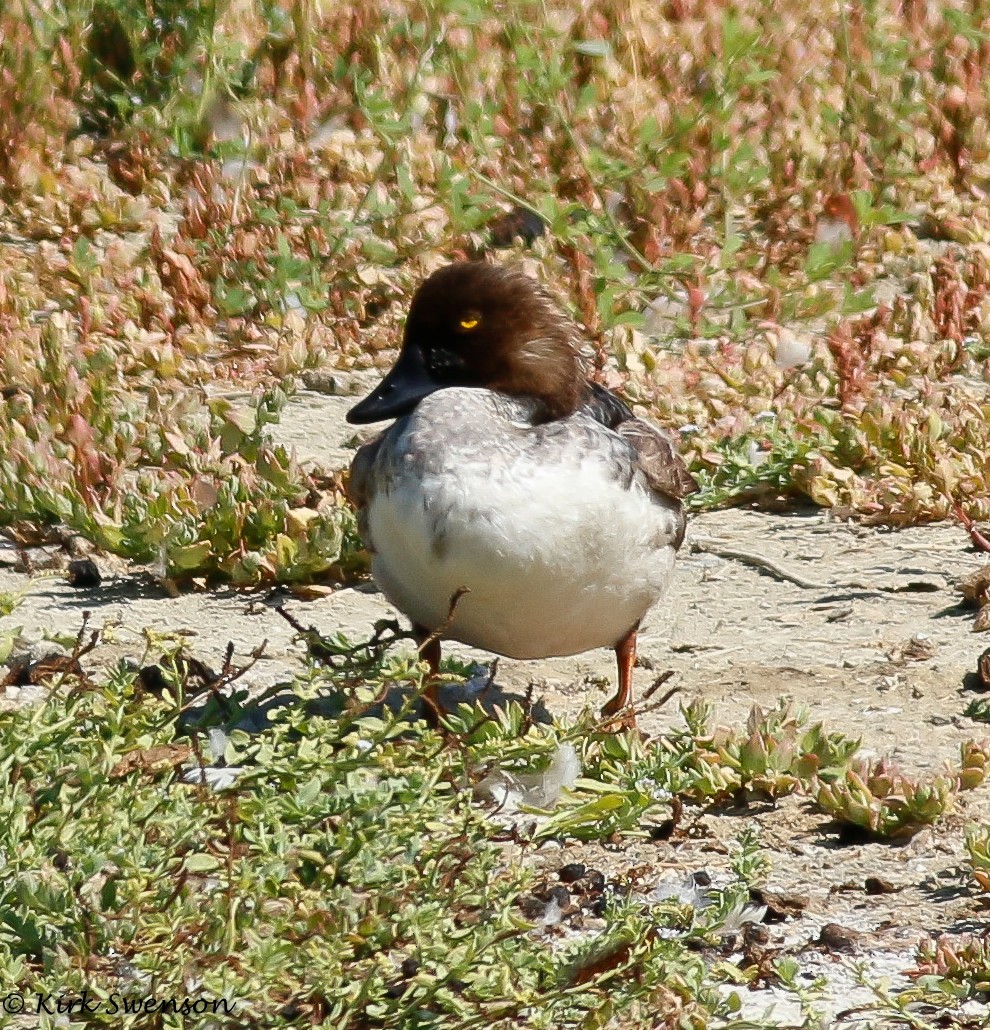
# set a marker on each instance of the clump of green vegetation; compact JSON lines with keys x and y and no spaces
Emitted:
{"x":195,"y":488}
{"x":164,"y":826}
{"x":883,"y":801}
{"x":323,"y":868}
{"x":956,"y":964}
{"x":10,"y":601}
{"x":776,"y":754}
{"x":978,"y":710}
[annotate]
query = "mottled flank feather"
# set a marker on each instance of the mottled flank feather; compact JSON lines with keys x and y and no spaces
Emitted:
{"x":659,"y":461}
{"x":661,"y":464}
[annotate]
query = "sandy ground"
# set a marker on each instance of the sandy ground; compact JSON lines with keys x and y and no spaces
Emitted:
{"x":886,"y":664}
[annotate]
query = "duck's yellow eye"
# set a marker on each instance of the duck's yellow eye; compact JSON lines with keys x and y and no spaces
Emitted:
{"x":469,"y":323}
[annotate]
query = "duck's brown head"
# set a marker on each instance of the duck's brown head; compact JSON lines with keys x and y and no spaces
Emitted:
{"x":474,"y":324}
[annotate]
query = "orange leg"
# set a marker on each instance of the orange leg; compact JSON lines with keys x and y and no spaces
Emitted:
{"x":625,"y":657}
{"x":429,"y":651}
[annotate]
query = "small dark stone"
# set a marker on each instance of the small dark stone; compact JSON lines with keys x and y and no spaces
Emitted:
{"x":519,"y":222}
{"x":874,"y":885}
{"x":780,"y":905}
{"x":531,"y":906}
{"x":663,"y":831}
{"x":571,"y":872}
{"x":561,"y":895}
{"x":755,"y":933}
{"x":702,"y":878}
{"x":595,"y":881}
{"x":409,"y":967}
{"x":84,"y":573}
{"x":838,"y":938}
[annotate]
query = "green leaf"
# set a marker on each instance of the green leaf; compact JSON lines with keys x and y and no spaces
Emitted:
{"x":201,"y":863}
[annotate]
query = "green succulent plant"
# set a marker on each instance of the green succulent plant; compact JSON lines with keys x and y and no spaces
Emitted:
{"x":773,"y":757}
{"x":959,"y":963}
{"x":881,"y":800}
{"x":978,"y":849}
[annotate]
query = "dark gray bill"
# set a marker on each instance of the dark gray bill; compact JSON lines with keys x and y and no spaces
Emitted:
{"x":399,"y":392}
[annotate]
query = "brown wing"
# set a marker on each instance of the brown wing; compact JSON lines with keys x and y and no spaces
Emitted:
{"x":660,"y":463}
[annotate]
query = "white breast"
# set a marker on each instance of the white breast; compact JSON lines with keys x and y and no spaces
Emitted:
{"x":560,"y":552}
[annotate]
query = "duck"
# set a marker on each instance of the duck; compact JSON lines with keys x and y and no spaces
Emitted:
{"x":513,"y":504}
